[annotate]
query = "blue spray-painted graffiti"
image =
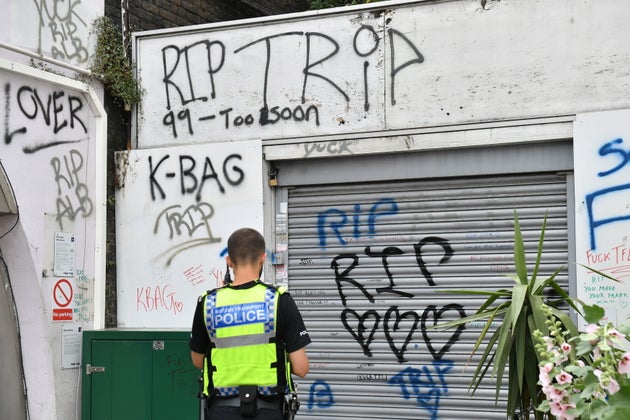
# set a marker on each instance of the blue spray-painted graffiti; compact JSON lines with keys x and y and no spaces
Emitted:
{"x":592,"y":222}
{"x":334,"y":220}
{"x":608,"y":149}
{"x":320,"y":395}
{"x":336,"y":227}
{"x":425,"y":385}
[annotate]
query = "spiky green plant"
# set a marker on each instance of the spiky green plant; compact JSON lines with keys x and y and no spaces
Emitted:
{"x":513,"y":342}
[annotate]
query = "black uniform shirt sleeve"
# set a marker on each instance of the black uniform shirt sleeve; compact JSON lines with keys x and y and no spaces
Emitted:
{"x":199,"y":340}
{"x":291,"y":327}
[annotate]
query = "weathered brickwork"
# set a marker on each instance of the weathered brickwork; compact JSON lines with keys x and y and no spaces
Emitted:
{"x":158,"y":14}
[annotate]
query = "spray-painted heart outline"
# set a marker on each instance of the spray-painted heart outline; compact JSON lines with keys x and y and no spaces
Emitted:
{"x":359,"y":336}
{"x":399,"y":352}
{"x":437,"y":315}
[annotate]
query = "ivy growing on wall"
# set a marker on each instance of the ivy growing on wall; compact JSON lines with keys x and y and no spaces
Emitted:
{"x":110,"y":65}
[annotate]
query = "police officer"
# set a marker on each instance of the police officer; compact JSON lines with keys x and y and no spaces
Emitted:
{"x":248,"y":337}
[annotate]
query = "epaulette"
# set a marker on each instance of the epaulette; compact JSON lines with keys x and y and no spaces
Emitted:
{"x":279,"y":289}
{"x":202,"y":297}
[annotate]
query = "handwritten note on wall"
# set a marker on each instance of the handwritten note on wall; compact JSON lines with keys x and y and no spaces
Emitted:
{"x":602,"y":216}
{"x":175,"y":210}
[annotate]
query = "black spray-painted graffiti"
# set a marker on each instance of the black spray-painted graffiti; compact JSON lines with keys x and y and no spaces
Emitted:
{"x":336,"y":227}
{"x":58,"y":111}
{"x":186,"y":81}
{"x":363,"y":326}
{"x":184,"y":224}
{"x":72,"y":192}
{"x":61,"y":19}
{"x":342,"y":272}
{"x":189,"y":182}
{"x":333,"y":222}
{"x":190,"y":227}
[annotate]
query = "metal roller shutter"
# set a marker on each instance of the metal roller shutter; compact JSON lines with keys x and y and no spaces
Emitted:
{"x":365,"y":263}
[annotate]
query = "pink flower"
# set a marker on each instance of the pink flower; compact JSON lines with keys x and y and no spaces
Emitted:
{"x":624,"y":364}
{"x":548,"y":390}
{"x":612,"y":387}
{"x":613,"y":332}
{"x":543,"y":378}
{"x":592,"y":328}
{"x":564,"y":378}
{"x":560,"y":410}
{"x":550,"y":343}
{"x":566,"y":347}
{"x":556,"y":408}
{"x":557,"y":394}
{"x":543,"y":374}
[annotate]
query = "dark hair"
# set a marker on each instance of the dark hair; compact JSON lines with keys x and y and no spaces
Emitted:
{"x":245,"y":246}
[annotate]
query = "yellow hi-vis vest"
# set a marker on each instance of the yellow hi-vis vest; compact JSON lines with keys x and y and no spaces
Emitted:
{"x":243,"y":350}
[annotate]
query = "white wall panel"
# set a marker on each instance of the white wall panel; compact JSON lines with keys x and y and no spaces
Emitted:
{"x":175,"y":209}
{"x":383,"y":67}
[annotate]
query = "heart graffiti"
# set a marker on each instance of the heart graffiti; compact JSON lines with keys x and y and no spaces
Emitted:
{"x":368,"y":317}
{"x":437,"y":315}
{"x":391,"y":324}
{"x":400,"y":327}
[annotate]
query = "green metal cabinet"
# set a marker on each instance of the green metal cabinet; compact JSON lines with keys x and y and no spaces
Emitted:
{"x":139,"y":375}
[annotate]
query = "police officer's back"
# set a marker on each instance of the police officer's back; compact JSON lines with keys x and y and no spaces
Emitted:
{"x":248,"y":337}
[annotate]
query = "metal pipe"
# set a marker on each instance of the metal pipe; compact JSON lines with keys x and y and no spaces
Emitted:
{"x":41,"y":57}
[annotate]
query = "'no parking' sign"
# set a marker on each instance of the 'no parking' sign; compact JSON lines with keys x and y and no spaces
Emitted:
{"x":62,"y":298}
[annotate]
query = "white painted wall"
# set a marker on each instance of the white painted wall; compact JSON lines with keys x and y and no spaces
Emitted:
{"x":50,"y":160}
{"x":383,"y":68}
{"x":176,"y":208}
{"x":602,"y":218}
{"x":50,"y":156}
{"x":59,"y":29}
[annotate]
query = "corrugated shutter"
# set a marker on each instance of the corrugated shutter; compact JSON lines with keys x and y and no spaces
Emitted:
{"x":366,"y":262}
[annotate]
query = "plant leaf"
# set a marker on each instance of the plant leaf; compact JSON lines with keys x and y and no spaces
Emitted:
{"x":566,"y":321}
{"x":499,"y":293}
{"x":485,"y":329}
{"x":540,"y":249}
{"x":475,"y":317}
{"x":593,"y":313}
{"x":541,"y":283}
{"x":519,"y":332}
{"x":565,"y":297}
{"x":519,"y":292}
{"x":484,"y":364}
{"x":502,"y":355}
{"x":599,"y":272}
{"x":513,"y":393}
{"x":519,"y":252}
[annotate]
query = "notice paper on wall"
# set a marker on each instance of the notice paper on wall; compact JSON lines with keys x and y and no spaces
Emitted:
{"x":71,"y":335}
{"x":64,"y":254}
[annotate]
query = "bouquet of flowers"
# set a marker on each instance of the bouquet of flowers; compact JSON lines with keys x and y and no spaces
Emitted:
{"x":585,"y":377}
